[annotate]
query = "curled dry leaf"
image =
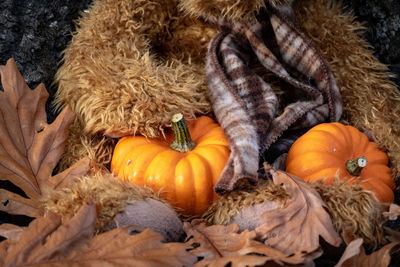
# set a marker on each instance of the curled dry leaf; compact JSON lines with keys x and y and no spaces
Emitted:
{"x":354,"y":255}
{"x":391,"y":235}
{"x":298,"y":225}
{"x":11,"y":231}
{"x":219,"y":245}
{"x":29,"y":147}
{"x":48,"y":242}
{"x":393,"y":213}
{"x":123,"y":247}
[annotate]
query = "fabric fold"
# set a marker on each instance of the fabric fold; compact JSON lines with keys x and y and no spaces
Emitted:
{"x":247,"y":107}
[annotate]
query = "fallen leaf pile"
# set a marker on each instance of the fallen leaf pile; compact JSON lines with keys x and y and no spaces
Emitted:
{"x":393,"y":213}
{"x":219,"y":245}
{"x":354,"y":255}
{"x":29,"y":147}
{"x":298,"y":225}
{"x":29,"y":151}
{"x":48,"y":242}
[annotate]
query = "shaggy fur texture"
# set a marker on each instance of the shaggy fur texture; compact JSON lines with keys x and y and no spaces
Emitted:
{"x":230,"y":204}
{"x":232,"y":10}
{"x":96,"y":147}
{"x":349,"y":206}
{"x":370,"y":100}
{"x":121,"y":78}
{"x":110,"y":195}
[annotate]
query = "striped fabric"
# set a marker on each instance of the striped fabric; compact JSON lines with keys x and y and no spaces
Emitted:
{"x":246,"y":106}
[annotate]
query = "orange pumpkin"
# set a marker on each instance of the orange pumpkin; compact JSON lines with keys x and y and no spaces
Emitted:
{"x":184,"y":171}
{"x":331,"y":148}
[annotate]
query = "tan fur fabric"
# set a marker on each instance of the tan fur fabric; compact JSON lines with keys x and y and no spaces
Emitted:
{"x":108,"y":193}
{"x":370,"y":100}
{"x":351,"y":207}
{"x":233,"y":10}
{"x":221,"y":211}
{"x":129,"y":67}
{"x":97,"y":147}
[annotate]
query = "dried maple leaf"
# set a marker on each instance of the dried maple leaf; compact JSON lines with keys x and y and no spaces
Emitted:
{"x":48,"y":242}
{"x":354,"y":255}
{"x":391,"y":235}
{"x":11,"y":231}
{"x":29,"y":147}
{"x":219,"y":245}
{"x":298,"y":225}
{"x":393,"y":213}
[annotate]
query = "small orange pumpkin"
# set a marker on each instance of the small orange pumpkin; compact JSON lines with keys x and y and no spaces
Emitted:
{"x":331,"y":148}
{"x":184,"y":171}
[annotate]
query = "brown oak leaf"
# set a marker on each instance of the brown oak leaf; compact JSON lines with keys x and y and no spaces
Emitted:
{"x":393,"y":213}
{"x":29,"y":147}
{"x":219,"y":245}
{"x":11,"y":231}
{"x":298,"y":225}
{"x":49,"y":242}
{"x":354,"y":255}
{"x":391,"y":235}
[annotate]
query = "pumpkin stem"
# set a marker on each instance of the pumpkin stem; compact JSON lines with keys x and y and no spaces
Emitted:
{"x":354,"y":166}
{"x":182,"y":142}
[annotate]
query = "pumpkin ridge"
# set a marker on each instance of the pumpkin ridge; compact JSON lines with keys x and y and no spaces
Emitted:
{"x":318,"y":140}
{"x":140,"y":162}
{"x":201,"y":127}
{"x":347,"y":138}
{"x":328,"y":177}
{"x":203,"y":196}
{"x":184,"y":188}
{"x":314,"y":156}
{"x":160,"y":169}
{"x":380,"y":189}
{"x":215,"y":134}
{"x":375,"y":170}
{"x":124,"y":144}
{"x":354,"y":140}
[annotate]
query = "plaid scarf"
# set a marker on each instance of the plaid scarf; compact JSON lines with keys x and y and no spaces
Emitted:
{"x":246,"y":106}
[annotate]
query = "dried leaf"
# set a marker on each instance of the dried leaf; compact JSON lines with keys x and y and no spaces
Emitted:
{"x":3,"y":251}
{"x":68,"y":236}
{"x":391,"y":235}
{"x":393,"y":213}
{"x":15,"y":204}
{"x":220,"y":245}
{"x":63,"y":179}
{"x":29,"y":147}
{"x":120,"y":247}
{"x":49,"y":242}
{"x":297,"y":226}
{"x":46,"y":239}
{"x":354,"y":255}
{"x":37,"y":232}
{"x":10,"y":231}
